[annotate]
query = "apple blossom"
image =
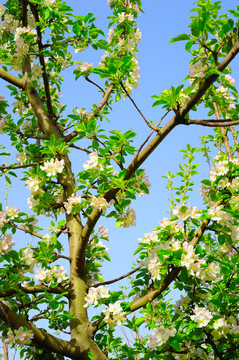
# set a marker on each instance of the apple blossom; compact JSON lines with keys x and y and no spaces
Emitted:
{"x":71,"y":202}
{"x":6,"y":243}
{"x":95,"y":294}
{"x":53,"y":167}
{"x":128,"y":219}
{"x":160,"y":336}
{"x":114,"y":315}
{"x":19,"y":336}
{"x":93,"y":162}
{"x":99,"y":203}
{"x":197,"y":70}
{"x":83,"y":67}
{"x":202,"y":316}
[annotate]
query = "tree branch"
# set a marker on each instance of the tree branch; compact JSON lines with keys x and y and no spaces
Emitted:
{"x":118,"y":278}
{"x":11,"y":79}
{"x":155,"y":128}
{"x":211,"y":122}
{"x":2,"y":168}
{"x":99,"y":107}
{"x":170,"y":277}
{"x":33,"y":290}
{"x":42,"y":61}
{"x":41,"y":337}
{"x":159,"y":137}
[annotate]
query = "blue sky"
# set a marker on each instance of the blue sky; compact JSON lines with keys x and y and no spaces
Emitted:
{"x":161,"y":65}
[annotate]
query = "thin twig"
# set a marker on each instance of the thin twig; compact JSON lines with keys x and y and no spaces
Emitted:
{"x":155,"y":128}
{"x":147,"y":139}
{"x":25,"y":230}
{"x":20,"y":166}
{"x":119,"y":278}
{"x":92,"y":82}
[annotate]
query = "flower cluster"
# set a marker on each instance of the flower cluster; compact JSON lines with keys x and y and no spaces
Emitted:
{"x":148,"y":238}
{"x":160,"y":336}
{"x":6,"y":243}
{"x":128,"y":219}
{"x":29,"y":259}
{"x":114,"y":315}
{"x":104,"y":232}
{"x":95,"y":294}
{"x":33,"y":184}
{"x":85,"y":115}
{"x":83,"y":67}
{"x":71,"y":202}
{"x":125,"y":43}
{"x":99,"y":203}
{"x":197,"y":70}
{"x":8,"y":215}
{"x":93,"y":162}
{"x":53,"y":167}
{"x":202,"y":316}
{"x":184,"y":212}
{"x":20,"y":336}
{"x":51,"y":276}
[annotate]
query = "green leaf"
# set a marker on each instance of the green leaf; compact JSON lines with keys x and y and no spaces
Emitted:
{"x":180,"y":38}
{"x":76,"y":28}
{"x":175,"y":344}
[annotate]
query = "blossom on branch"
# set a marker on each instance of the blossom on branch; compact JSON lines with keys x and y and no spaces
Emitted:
{"x":202,"y":316}
{"x":53,"y":167}
{"x":114,"y":315}
{"x":160,"y":336}
{"x":19,"y":337}
{"x":71,"y":202}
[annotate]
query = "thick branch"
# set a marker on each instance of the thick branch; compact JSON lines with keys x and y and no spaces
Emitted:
{"x":33,"y":290}
{"x":11,"y":79}
{"x":41,"y":337}
{"x":211,"y":122}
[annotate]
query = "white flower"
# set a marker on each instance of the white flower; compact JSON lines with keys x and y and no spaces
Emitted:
{"x":185,"y":212}
{"x":11,"y":212}
{"x":218,"y":323}
{"x":53,"y":167}
{"x":33,"y":185}
{"x":36,"y":71}
{"x":50,"y":2}
{"x":47,"y":238}
{"x":31,"y":202}
{"x":6,"y":244}
{"x":202,"y":316}
{"x":28,"y":258}
{"x":128,"y":219}
{"x":149,"y":237}
{"x":21,"y":157}
{"x":160,"y":336}
{"x":94,"y":294}
{"x":71,"y":202}
{"x":19,"y":336}
{"x":154,"y":267}
{"x":27,"y":126}
{"x":93,"y":162}
{"x":114,"y":315}
{"x":51,"y":276}
{"x":83,"y":67}
{"x":99,"y":203}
